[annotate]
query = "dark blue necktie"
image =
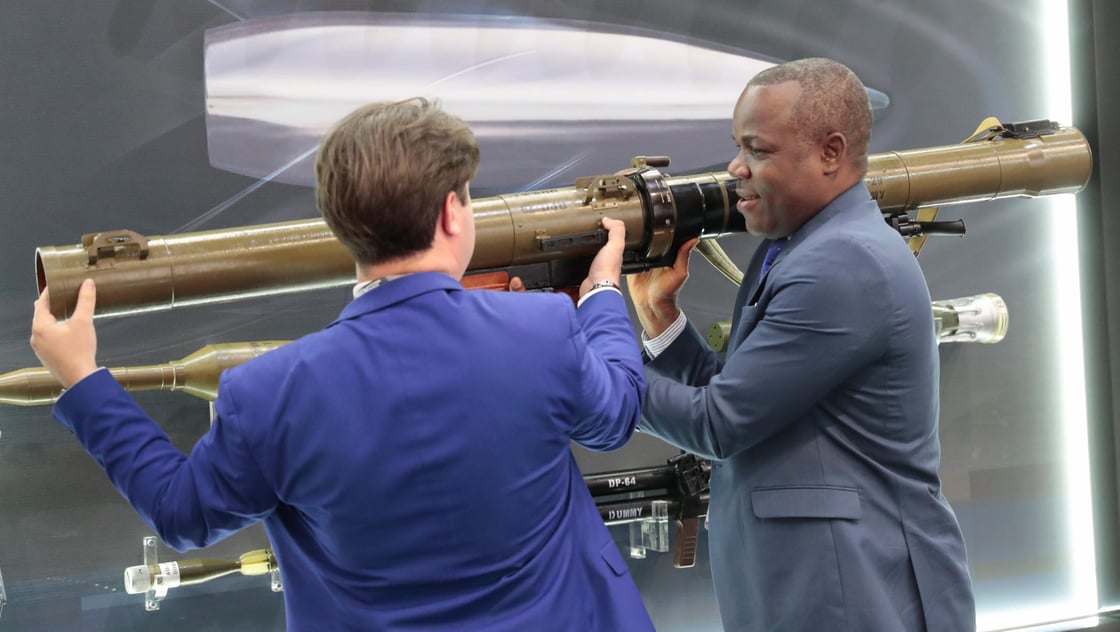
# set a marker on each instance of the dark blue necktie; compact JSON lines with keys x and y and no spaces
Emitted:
{"x":771,"y":255}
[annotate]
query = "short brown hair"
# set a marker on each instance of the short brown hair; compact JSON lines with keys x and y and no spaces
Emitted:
{"x":383,"y":172}
{"x":833,"y":99}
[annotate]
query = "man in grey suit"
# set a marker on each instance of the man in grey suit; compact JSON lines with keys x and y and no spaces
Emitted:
{"x":826,"y":507}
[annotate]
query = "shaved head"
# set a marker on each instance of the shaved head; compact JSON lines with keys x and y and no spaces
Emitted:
{"x":833,"y":99}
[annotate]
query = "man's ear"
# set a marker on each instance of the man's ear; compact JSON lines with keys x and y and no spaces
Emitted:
{"x":834,"y":150}
{"x":451,"y":217}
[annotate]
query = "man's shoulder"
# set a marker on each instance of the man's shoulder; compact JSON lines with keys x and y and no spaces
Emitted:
{"x":860,"y":235}
{"x":271,"y":365}
{"x":543,"y":303}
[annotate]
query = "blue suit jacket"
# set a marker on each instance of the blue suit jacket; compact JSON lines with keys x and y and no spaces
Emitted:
{"x":826,"y":507}
{"x":411,"y":462}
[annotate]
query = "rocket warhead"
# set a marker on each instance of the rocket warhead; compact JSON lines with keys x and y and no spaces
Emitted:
{"x":197,"y":374}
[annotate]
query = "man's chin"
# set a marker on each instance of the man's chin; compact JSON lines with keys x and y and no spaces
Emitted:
{"x":756,"y":228}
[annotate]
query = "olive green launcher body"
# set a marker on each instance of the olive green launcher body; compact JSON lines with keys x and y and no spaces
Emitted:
{"x":138,"y":274}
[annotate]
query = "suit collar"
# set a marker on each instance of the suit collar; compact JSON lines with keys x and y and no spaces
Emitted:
{"x":847,"y":202}
{"x":397,"y":291}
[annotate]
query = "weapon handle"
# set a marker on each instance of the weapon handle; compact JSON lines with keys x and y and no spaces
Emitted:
{"x":496,"y":280}
{"x":688,"y":531}
{"x":537,"y":277}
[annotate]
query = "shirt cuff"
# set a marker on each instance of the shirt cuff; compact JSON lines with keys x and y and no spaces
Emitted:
{"x":596,"y":291}
{"x":654,"y":346}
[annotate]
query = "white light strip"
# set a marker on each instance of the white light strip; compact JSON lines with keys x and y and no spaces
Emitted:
{"x":1070,"y":368}
{"x":1071,"y":360}
{"x":1064,"y":626}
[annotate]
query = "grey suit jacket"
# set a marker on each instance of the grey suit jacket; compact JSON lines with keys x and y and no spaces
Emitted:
{"x":826,"y":508}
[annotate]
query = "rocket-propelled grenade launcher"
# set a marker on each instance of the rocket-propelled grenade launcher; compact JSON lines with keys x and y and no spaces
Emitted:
{"x":548,"y":237}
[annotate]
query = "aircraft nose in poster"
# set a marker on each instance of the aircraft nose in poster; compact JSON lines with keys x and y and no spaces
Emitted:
{"x":546,"y":98}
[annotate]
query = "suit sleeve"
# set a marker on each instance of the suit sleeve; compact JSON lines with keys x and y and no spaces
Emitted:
{"x":689,"y":360}
{"x":822,"y":324}
{"x":190,"y":501}
{"x":611,"y":380}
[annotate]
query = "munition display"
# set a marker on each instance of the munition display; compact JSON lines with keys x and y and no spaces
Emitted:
{"x":676,"y":493}
{"x":136,"y":273}
{"x":166,"y":575}
{"x":980,"y":318}
{"x":196,"y":374}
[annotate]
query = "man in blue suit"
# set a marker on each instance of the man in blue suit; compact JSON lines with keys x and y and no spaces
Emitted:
{"x":826,"y":507}
{"x":411,"y":462}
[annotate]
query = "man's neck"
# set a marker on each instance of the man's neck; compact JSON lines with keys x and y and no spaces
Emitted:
{"x":427,"y":261}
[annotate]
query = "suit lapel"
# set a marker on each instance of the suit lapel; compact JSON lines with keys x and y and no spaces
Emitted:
{"x":747,"y":289}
